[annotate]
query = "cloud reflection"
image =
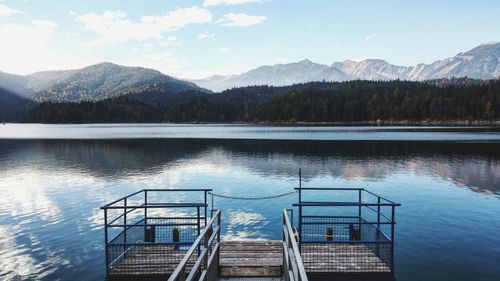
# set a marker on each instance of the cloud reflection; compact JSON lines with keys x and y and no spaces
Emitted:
{"x":244,"y":225}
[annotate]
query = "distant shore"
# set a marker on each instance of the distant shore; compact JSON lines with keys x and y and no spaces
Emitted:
{"x":423,"y":123}
{"x":393,"y":123}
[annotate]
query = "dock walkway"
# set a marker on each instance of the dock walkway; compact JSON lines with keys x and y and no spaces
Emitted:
{"x":251,"y":258}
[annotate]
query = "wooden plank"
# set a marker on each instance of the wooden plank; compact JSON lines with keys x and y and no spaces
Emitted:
{"x":254,"y":259}
{"x":251,"y":258}
{"x":341,"y":258}
{"x":241,"y":271}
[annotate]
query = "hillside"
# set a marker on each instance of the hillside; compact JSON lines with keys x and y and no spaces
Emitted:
{"x":13,"y":108}
{"x":358,"y":101}
{"x":93,"y":83}
{"x":482,"y":62}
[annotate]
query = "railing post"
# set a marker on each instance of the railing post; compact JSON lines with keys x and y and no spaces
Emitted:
{"x":145,"y":206}
{"x":145,"y":213}
{"x":392,"y":238}
{"x":205,"y":245}
{"x":359,"y":201}
{"x":106,"y":240}
{"x":125,"y":228}
{"x":359,"y":212}
{"x":205,"y":214}
{"x":218,"y":242}
{"x":285,"y":246}
{"x":378,"y":225}
{"x":198,"y":220}
{"x":300,"y":211}
{"x":300,"y":178}
{"x":300,"y":228}
{"x":218,"y":224}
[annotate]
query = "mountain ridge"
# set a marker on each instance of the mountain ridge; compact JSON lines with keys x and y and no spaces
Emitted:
{"x":481,"y":62}
{"x":108,"y":80}
{"x":92,"y":83}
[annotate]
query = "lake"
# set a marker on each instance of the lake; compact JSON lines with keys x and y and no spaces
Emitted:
{"x":54,"y":178}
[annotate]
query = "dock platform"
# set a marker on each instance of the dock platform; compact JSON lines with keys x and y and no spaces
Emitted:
{"x":243,"y":258}
{"x":149,"y":238}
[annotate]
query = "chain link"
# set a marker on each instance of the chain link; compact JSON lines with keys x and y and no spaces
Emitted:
{"x":252,"y":198}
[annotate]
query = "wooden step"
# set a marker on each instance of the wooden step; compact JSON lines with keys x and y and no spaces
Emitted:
{"x":251,"y":258}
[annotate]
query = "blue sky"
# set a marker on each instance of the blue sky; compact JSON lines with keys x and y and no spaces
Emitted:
{"x":195,"y":39}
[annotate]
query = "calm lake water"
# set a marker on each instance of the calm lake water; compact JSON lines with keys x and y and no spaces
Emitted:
{"x":52,"y":185}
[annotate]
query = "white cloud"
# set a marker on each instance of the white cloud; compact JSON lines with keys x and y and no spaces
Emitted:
{"x":26,"y":48}
{"x":206,"y":35}
{"x":173,"y":41}
{"x":23,"y":43}
{"x":228,"y":2}
{"x":114,"y":27}
{"x":6,"y":11}
{"x":224,"y":50}
{"x":73,"y":13}
{"x":232,"y":19}
{"x":370,"y":37}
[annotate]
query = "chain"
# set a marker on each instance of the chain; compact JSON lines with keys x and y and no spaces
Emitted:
{"x":252,"y":198}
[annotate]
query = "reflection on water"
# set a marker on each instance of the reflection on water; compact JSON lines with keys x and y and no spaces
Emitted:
{"x":51,"y":191}
{"x":473,"y":165}
{"x":245,"y":225}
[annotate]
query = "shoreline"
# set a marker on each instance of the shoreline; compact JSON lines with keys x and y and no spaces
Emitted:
{"x":422,"y":123}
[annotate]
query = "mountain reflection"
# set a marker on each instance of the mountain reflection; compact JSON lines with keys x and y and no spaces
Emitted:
{"x":473,"y":165}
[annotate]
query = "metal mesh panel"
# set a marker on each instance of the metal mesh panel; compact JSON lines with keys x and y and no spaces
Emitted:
{"x":344,"y":245}
{"x":135,"y":251}
{"x":318,"y":228}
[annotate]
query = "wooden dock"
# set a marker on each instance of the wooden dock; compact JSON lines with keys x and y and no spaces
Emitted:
{"x":237,"y":259}
{"x":149,"y":260}
{"x":341,"y":258}
{"x":189,"y":248}
{"x":251,"y":258}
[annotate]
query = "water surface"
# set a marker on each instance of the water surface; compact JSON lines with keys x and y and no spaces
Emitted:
{"x":51,"y":191}
{"x":237,"y":131}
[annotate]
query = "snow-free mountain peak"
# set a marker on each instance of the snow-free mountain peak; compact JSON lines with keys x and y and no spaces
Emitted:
{"x":94,"y":82}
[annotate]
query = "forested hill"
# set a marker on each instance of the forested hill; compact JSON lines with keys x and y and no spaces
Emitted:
{"x":342,"y":102}
{"x":13,"y":107}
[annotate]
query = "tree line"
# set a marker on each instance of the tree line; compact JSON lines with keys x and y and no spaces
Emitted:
{"x":353,"y":101}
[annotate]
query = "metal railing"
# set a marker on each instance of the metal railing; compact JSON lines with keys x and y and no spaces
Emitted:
{"x":293,"y":268}
{"x":142,"y":230}
{"x":206,"y":266}
{"x":353,"y":234}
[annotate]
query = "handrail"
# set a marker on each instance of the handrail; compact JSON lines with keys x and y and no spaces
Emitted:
{"x":157,"y":205}
{"x":330,"y":188}
{"x":339,"y":204}
{"x":154,"y":190}
{"x":180,"y":189}
{"x":123,"y":198}
{"x":293,"y":267}
{"x":345,"y":189}
{"x":383,"y":198}
{"x":205,"y":258}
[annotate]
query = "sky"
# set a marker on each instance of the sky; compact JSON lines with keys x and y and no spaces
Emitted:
{"x":198,"y":38}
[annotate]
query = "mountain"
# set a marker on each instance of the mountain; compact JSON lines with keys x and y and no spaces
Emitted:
{"x":93,"y":83}
{"x":13,"y":107}
{"x":440,"y":101}
{"x":15,"y":84}
{"x":276,"y":75}
{"x":107,"y":80}
{"x":482,"y":62}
